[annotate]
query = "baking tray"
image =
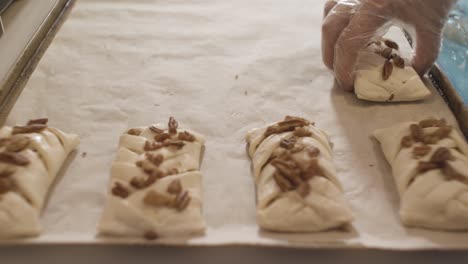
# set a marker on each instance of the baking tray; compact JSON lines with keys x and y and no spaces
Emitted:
{"x":25,"y":64}
{"x":220,"y":83}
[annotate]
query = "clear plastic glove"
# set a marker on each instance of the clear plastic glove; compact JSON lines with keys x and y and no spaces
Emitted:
{"x":349,"y":25}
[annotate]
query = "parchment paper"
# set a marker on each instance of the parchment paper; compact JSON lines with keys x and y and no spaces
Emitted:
{"x":221,"y":68}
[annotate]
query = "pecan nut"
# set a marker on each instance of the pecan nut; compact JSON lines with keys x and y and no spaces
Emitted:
{"x":406,"y":141}
{"x":143,"y":182}
{"x":421,"y":151}
{"x":432,"y":122}
{"x":155,"y":198}
{"x":391,"y":44}
{"x":302,"y":132}
{"x":398,"y":61}
{"x":172,"y":125}
{"x":175,"y":187}
{"x":40,"y":121}
{"x":182,"y":201}
{"x":186,"y":136}
{"x":120,"y":190}
{"x":441,"y":155}
{"x":161,"y":137}
{"x":134,"y":131}
{"x":387,"y":70}
{"x":289,"y":124}
{"x":417,"y":132}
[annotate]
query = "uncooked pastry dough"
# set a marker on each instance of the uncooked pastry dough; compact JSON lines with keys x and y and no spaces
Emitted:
{"x":306,"y":196}
{"x":433,"y":198}
{"x":175,"y":161}
{"x":404,"y":84}
{"x":31,"y":157}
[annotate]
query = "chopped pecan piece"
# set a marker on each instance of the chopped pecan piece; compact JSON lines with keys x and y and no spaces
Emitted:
{"x":18,"y":143}
{"x":391,"y":44}
{"x":134,"y":131}
{"x":14,"y":158}
{"x":282,"y":182}
{"x":173,"y":124}
{"x":387,"y":70}
{"x":150,"y":235}
{"x":40,"y":121}
{"x":285,"y":126}
{"x":417,"y":132}
{"x":155,"y":159}
{"x":406,"y":141}
{"x":6,"y":185}
{"x":304,"y":189}
{"x":424,"y":166}
{"x":174,"y":143}
{"x":120,"y":191}
{"x":157,"y":173}
{"x":162,"y":137}
{"x":288,"y":143}
{"x":143,"y":182}
{"x":398,"y":61}
{"x":182,"y":201}
{"x":386,"y":53}
{"x":149,"y":168}
{"x":175,"y":187}
{"x":172,"y":171}
{"x":151,"y":146}
{"x":432,"y":122}
{"x":441,"y":155}
{"x":156,"y":129}
{"x":186,"y":136}
{"x":155,"y":198}
{"x":34,"y":128}
{"x":302,"y":132}
{"x":421,"y":151}
{"x":288,"y":118}
{"x":289,"y":170}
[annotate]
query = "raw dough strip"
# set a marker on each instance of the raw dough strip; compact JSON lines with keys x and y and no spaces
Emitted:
{"x":297,"y":187}
{"x":155,"y":187}
{"x":30,"y":158}
{"x":429,"y":161}
{"x":382,"y":76}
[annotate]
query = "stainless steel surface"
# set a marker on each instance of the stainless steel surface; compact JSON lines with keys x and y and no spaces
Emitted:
{"x":3,"y":6}
{"x":2,"y":29}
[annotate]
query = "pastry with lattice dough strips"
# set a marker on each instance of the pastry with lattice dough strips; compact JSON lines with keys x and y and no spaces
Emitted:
{"x":429,"y":161}
{"x":30,"y":158}
{"x":383,"y":76}
{"x":155,"y":187}
{"x":296,"y":182}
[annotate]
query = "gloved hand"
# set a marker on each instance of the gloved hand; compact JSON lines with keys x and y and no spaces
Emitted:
{"x":349,"y":25}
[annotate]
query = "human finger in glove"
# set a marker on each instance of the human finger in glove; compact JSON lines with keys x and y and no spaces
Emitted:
{"x":349,"y":25}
